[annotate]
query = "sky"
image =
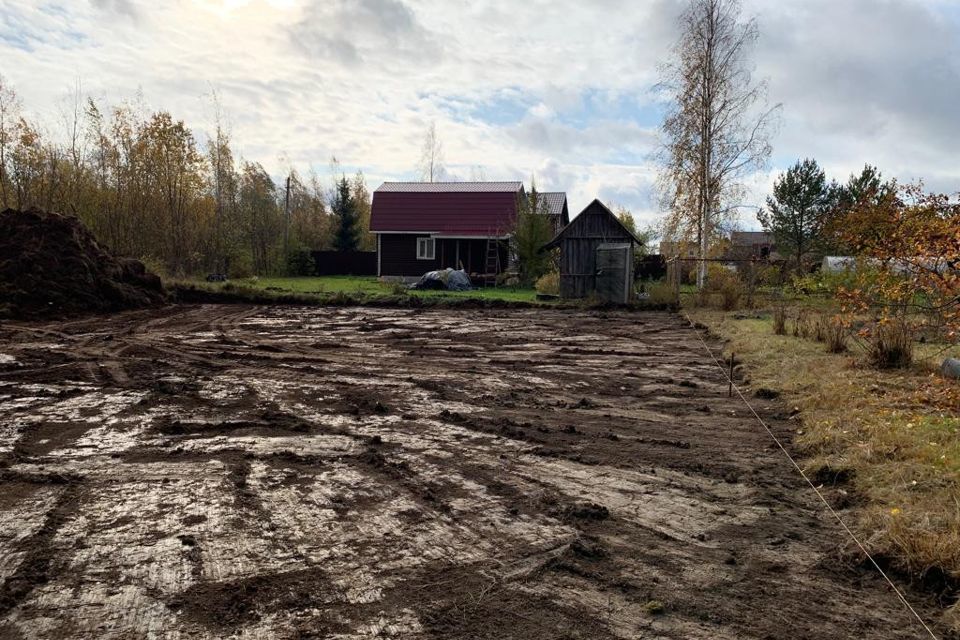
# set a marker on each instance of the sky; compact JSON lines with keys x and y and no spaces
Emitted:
{"x":561,"y":92}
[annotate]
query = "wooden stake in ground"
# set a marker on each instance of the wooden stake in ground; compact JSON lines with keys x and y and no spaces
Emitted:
{"x":730,"y":378}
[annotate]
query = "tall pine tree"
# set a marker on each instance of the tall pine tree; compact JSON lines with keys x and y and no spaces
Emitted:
{"x":800,"y":208}
{"x":344,"y":210}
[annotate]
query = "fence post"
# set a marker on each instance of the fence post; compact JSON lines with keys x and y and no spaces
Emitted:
{"x":676,"y":280}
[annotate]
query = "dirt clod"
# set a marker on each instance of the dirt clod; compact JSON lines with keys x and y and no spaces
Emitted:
{"x":832,"y":476}
{"x":654,"y":607}
{"x":586,"y":511}
{"x":587,"y":548}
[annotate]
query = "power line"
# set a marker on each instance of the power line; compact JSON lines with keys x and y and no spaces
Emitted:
{"x":286,"y":222}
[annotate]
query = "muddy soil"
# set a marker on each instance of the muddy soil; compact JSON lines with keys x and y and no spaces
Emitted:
{"x":248,"y":472}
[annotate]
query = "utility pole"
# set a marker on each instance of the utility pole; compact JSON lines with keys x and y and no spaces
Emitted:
{"x":286,"y":224}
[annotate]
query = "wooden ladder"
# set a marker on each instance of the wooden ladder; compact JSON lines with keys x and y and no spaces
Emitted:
{"x":493,"y":262}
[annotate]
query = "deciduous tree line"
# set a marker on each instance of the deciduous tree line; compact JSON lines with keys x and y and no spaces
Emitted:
{"x":147,"y":188}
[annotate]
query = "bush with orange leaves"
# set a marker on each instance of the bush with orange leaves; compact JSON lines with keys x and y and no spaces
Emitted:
{"x":911,"y":241}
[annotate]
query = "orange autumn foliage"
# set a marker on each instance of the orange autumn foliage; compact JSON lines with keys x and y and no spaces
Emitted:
{"x":911,"y":241}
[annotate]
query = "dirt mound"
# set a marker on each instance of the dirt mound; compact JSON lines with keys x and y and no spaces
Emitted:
{"x":52,"y":265}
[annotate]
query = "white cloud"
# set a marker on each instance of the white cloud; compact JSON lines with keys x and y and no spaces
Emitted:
{"x":560,"y":90}
{"x":121,"y":7}
{"x":385,"y":33}
{"x":873,"y":81}
{"x":541,"y":110}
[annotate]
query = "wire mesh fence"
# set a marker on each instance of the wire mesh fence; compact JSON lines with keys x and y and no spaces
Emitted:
{"x":730,"y":283}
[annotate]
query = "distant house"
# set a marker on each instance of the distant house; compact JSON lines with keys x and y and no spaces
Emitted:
{"x":596,"y":255}
{"x":556,"y":205}
{"x":748,"y":245}
{"x":423,"y":226}
{"x":678,"y":249}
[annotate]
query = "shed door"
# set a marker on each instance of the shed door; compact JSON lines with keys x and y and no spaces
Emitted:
{"x":613,"y":272}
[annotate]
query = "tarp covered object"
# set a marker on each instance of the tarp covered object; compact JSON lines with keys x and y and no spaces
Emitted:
{"x":449,"y":279}
{"x":951,"y":368}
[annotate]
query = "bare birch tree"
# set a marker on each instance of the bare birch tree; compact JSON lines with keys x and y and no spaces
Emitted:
{"x":718,"y":127}
{"x":223,"y":182}
{"x":431,"y":158}
{"x":71,"y":114}
{"x":9,"y":113}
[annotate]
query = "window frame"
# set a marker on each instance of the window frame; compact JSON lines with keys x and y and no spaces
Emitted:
{"x":422,"y":244}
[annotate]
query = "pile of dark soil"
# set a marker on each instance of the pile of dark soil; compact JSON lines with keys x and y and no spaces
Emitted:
{"x":52,"y":265}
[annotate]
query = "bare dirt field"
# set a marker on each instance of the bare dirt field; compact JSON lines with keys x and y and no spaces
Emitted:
{"x":268,"y":472}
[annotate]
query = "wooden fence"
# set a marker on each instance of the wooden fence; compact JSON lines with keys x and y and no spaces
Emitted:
{"x":345,"y":263}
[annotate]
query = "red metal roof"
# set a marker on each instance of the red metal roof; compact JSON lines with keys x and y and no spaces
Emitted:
{"x":445,"y":208}
{"x":451,"y":187}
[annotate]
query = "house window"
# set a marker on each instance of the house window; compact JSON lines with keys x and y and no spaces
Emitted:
{"x":425,"y":248}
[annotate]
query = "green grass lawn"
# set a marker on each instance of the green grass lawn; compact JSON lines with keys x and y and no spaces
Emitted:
{"x":370,"y":286}
{"x":325,"y":284}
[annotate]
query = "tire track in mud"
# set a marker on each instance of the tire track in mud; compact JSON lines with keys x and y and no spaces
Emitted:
{"x":228,"y":606}
{"x":399,"y":472}
{"x":39,"y":561}
{"x":246,"y":501}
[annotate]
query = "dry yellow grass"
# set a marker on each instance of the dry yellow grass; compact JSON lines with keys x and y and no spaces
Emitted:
{"x":896,"y":430}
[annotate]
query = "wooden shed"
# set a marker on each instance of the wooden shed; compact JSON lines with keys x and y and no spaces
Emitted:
{"x":596,"y":255}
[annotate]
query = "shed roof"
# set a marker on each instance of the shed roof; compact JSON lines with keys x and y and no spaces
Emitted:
{"x":445,"y":208}
{"x":594,"y":208}
{"x":751,"y":237}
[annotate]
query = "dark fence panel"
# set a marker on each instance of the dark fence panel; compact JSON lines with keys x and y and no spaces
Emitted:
{"x":345,"y":263}
{"x":652,"y":267}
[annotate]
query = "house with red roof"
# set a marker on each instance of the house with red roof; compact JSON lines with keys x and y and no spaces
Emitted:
{"x":424,"y":226}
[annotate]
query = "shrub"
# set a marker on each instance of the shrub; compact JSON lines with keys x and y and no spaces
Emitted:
{"x":532,"y":229}
{"x":820,"y":328}
{"x":549,"y":283}
{"x":701,"y":298}
{"x":661,"y":292}
{"x":780,"y":319}
{"x":155,"y":265}
{"x":835,"y":335}
{"x":240,"y":267}
{"x":827,"y":283}
{"x":300,"y":263}
{"x":508,"y":279}
{"x":725,"y":282}
{"x":768,"y":276}
{"x":730,"y":293}
{"x":801,"y":328}
{"x":890,"y":345}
